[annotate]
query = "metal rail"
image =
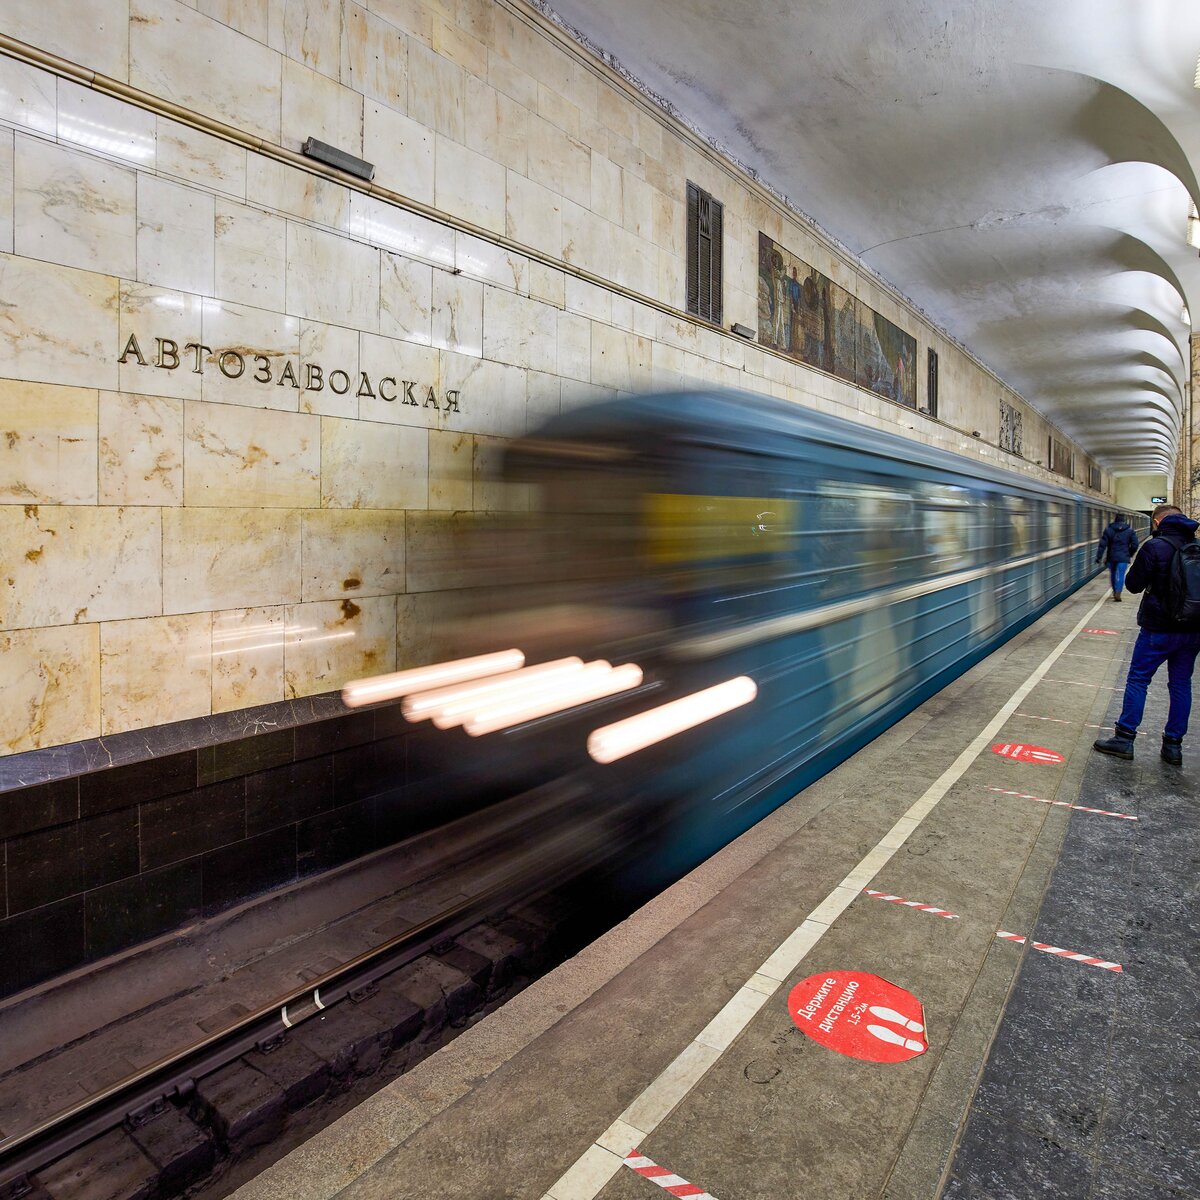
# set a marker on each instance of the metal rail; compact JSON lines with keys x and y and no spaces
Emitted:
{"x":543,"y":865}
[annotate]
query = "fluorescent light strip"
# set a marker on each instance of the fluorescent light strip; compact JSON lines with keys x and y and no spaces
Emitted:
{"x":495,"y":706}
{"x":402,"y":683}
{"x":596,"y":681}
{"x":611,"y":742}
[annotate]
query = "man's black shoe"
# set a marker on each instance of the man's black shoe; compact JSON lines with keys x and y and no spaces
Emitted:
{"x":1172,"y":751}
{"x":1120,"y":745}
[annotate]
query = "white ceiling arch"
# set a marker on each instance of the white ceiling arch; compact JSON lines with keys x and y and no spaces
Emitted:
{"x":1021,"y":169}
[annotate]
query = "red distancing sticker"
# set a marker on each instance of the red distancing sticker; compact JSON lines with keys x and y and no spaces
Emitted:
{"x":1109,"y":632}
{"x":1019,"y":752}
{"x":859,"y":1015}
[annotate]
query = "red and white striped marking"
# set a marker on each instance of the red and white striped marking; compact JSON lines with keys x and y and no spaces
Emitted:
{"x":1061,"y":721}
{"x":929,"y":908}
{"x":1088,"y":959}
{"x":1104,"y":812}
{"x":1109,"y":632}
{"x":635,"y":1160}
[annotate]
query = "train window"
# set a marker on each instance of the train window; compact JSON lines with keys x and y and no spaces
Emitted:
{"x":872,"y":534}
{"x":948,"y":513}
{"x":1014,"y":526}
{"x":1056,"y":531}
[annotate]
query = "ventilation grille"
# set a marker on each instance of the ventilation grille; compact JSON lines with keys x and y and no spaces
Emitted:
{"x":705,"y":218}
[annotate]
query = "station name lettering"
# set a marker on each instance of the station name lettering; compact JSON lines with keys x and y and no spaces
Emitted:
{"x":167,"y":355}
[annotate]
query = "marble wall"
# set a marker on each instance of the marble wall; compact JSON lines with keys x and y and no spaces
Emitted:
{"x":227,"y":383}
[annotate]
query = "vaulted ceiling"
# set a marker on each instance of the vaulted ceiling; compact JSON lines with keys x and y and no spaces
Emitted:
{"x":1021,"y":168}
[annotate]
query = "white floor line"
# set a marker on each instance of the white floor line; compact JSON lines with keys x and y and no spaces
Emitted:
{"x":585,"y":1179}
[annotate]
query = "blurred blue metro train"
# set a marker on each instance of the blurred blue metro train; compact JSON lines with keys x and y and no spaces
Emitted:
{"x":707,"y":536}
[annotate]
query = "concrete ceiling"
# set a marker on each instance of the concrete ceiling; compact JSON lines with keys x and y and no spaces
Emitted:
{"x":1020,"y":168}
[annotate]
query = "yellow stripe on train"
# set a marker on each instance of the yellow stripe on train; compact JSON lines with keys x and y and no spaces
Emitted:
{"x":684,"y":528}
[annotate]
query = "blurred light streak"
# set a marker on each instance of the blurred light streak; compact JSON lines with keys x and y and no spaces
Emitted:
{"x":595,"y":681}
{"x":454,"y":704}
{"x":611,"y":742}
{"x":401,"y":683}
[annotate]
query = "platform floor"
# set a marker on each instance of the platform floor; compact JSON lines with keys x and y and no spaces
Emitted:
{"x":672,"y":1035}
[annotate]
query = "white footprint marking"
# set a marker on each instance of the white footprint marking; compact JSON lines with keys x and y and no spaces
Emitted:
{"x":884,"y":1034}
{"x":890,"y":1014}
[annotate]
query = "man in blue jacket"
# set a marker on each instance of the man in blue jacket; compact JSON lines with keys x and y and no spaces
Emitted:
{"x":1117,"y":545}
{"x":1159,"y":640}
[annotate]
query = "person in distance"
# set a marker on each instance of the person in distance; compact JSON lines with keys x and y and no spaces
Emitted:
{"x":1117,"y":545}
{"x":1167,"y":571}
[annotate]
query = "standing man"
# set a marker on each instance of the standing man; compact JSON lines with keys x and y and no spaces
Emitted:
{"x":1160,"y":640}
{"x":1117,"y":545}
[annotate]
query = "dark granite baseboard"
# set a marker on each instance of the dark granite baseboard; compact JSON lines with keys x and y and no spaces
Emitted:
{"x":112,"y":841}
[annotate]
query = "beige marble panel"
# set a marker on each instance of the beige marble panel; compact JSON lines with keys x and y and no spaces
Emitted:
{"x":606,"y":187}
{"x":574,"y":346}
{"x":374,"y":57}
{"x":105,"y":125}
{"x":457,"y":313}
{"x":366,"y":464}
{"x":353,"y":552}
{"x":332,"y":279}
{"x":156,"y":318}
{"x":548,"y":284}
{"x":558,"y":110}
{"x":533,"y":216}
{"x":6,"y":191}
{"x":175,"y":237}
{"x":520,"y":331}
{"x":494,"y":396}
{"x":70,"y":564}
{"x":619,"y":359}
{"x":402,"y":150}
{"x":51,"y":686}
{"x":247,"y":657}
{"x":389,"y":364}
{"x":28,"y":97}
{"x":414,"y":17}
{"x":314,"y":105}
{"x":482,"y":259}
{"x":312,"y":33}
{"x":289,"y":190}
{"x":497,"y":126}
{"x":73,"y":208}
{"x":588,"y":299}
{"x":559,"y":161}
{"x":415,"y":618}
{"x":406,"y":298}
{"x":141,"y":449}
{"x":437,"y":92}
{"x":236,"y":457}
{"x":505,"y":76}
{"x":186,"y":153}
{"x":92,"y":33}
{"x":47,"y":444}
{"x":450,"y":479}
{"x":329,"y":348}
{"x":543,"y":398}
{"x":393,"y":228}
{"x":330,"y":642}
{"x":638,"y":199}
{"x":204,"y":65}
{"x":459,"y":46}
{"x":251,"y":17}
{"x":250,"y":255}
{"x":155,"y":670}
{"x":469,"y":185}
{"x":57,"y":324}
{"x":217,"y":558}
{"x":267,"y":342}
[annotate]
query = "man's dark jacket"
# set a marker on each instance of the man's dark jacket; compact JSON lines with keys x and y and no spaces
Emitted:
{"x":1151,"y":572}
{"x":1118,"y":542}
